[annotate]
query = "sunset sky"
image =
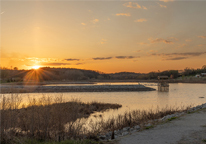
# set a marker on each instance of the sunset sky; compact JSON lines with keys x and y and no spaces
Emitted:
{"x":108,"y":36}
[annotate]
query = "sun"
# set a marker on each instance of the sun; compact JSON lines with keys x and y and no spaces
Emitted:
{"x":36,"y":67}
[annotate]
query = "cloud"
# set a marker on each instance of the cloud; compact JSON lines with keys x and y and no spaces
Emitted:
{"x":83,"y":23}
{"x":142,"y":43}
{"x":123,"y":14}
{"x":182,"y":45}
{"x":72,"y":59}
{"x":102,"y":58}
{"x":166,"y":0}
{"x":159,"y":40}
{"x":188,"y":40}
{"x":2,"y":12}
{"x":138,"y":51}
{"x":178,"y":56}
{"x":132,"y":5}
{"x":95,"y":21}
{"x":125,"y":57}
{"x":202,"y":37}
{"x":188,"y":54}
{"x":54,"y":64}
{"x":172,"y":38}
{"x":141,"y":20}
{"x":152,"y":50}
{"x":201,"y":45}
{"x":162,"y":6}
{"x":144,"y":7}
{"x":103,"y":41}
{"x":79,"y":63}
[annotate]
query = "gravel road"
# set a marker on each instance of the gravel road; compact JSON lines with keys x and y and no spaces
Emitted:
{"x":188,"y":129}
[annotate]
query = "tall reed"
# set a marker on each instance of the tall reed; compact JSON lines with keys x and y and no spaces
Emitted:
{"x":45,"y":118}
{"x":48,"y":118}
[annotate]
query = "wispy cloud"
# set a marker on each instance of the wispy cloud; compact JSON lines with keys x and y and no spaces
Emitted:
{"x":102,"y":58}
{"x":153,"y":51}
{"x":54,"y":64}
{"x":95,"y":21}
{"x":83,"y":24}
{"x":144,"y":7}
{"x":202,"y":45}
{"x":181,"y":45}
{"x":79,"y":63}
{"x":138,"y":51}
{"x":166,"y":0}
{"x":3,"y":12}
{"x":141,"y":20}
{"x":70,"y":59}
{"x":123,"y":14}
{"x":103,"y":41}
{"x":142,"y":43}
{"x":125,"y":57}
{"x":178,"y":56}
{"x":183,"y":54}
{"x":162,"y":6}
{"x":204,"y":37}
{"x":117,"y":57}
{"x":188,"y":40}
{"x":159,"y":40}
{"x":134,"y":5}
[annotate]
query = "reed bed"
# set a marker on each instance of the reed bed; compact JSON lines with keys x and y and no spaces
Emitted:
{"x":45,"y":118}
{"x":133,"y":118}
{"x":53,"y":119}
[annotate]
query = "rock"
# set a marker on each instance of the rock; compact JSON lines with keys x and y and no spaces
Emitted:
{"x":126,"y":128}
{"x":131,"y":129}
{"x":125,"y":133}
{"x":137,"y":127}
{"x":108,"y":134}
{"x":204,"y":106}
{"x":116,"y":132}
{"x":116,"y":136}
{"x":102,"y":137}
{"x":148,"y":125}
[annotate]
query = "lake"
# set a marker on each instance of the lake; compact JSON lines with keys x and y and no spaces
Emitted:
{"x":179,"y":95}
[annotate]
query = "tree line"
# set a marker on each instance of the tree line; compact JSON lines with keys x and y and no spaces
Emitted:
{"x":65,"y":74}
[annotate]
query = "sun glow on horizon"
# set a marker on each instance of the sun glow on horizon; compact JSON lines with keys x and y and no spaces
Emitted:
{"x":36,"y":67}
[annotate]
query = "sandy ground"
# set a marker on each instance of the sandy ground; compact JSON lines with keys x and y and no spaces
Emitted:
{"x":188,"y":129}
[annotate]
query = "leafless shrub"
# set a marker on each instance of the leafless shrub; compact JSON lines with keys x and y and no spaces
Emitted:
{"x":132,"y":118}
{"x":45,"y":118}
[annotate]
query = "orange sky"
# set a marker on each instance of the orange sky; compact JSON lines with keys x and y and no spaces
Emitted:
{"x":110,"y":36}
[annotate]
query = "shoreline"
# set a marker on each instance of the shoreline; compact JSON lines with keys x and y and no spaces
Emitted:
{"x":92,"y":88}
{"x":102,"y":81}
{"x":175,"y":128}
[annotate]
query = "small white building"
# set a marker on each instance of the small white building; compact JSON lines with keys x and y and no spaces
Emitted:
{"x":203,"y":74}
{"x":198,"y":76}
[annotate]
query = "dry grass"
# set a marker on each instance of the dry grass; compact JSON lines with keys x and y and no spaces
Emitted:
{"x":54,"y":119}
{"x":46,"y":118}
{"x":133,"y":118}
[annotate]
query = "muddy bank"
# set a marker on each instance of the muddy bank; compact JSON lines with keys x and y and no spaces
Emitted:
{"x":88,"y":88}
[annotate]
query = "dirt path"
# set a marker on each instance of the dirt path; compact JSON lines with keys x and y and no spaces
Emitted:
{"x":188,"y":129}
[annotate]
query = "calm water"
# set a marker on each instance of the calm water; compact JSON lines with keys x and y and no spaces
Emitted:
{"x":178,"y":95}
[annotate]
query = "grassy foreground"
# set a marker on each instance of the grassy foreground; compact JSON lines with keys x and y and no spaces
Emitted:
{"x":54,"y":121}
{"x":46,"y":119}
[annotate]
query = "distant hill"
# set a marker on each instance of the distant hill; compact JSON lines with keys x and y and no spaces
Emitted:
{"x":65,"y":74}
